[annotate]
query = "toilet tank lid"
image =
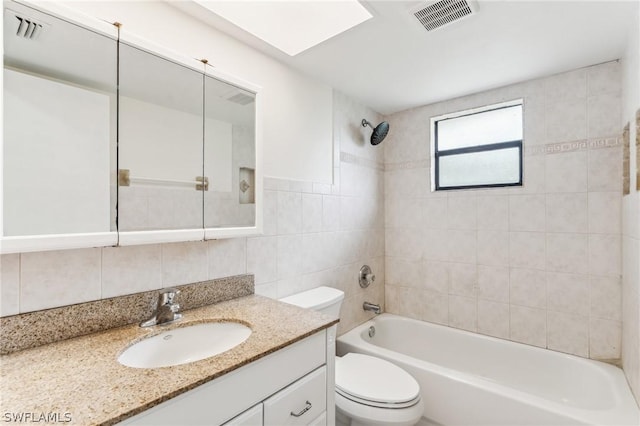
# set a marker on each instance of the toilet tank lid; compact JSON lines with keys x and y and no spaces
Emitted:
{"x":317,"y":298}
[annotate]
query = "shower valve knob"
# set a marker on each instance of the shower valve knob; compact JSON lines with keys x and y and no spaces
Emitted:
{"x":366,"y":276}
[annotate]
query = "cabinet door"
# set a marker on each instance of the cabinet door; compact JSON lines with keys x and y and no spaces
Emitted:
{"x":251,"y":417}
{"x":299,"y":403}
{"x":160,"y":134}
{"x":57,"y":153}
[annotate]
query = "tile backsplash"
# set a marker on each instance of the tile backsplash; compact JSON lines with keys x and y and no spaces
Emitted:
{"x":538,"y":264}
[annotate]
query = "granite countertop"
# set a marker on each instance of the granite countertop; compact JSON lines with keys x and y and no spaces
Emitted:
{"x":81,"y":380}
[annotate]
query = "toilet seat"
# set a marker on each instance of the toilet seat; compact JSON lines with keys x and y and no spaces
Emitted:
{"x":375,"y":382}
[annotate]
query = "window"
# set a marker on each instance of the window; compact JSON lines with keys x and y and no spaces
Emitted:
{"x":478,"y":148}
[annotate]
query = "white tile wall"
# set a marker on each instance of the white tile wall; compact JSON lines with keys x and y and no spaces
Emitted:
{"x":568,"y":333}
{"x":184,"y":263}
{"x":567,"y":212}
{"x":493,"y":248}
{"x":493,"y":283}
{"x":227,"y":257}
{"x":605,"y":169}
{"x":538,"y":264}
{"x":568,"y":293}
{"x":567,"y":252}
{"x":289,"y":212}
{"x":605,"y":216}
{"x":527,"y":213}
{"x":528,"y":325}
{"x":131,"y":269}
{"x":493,"y":318}
{"x":567,"y":172}
{"x":9,"y":284}
{"x":311,"y":213}
{"x":49,"y":279}
{"x":528,"y":287}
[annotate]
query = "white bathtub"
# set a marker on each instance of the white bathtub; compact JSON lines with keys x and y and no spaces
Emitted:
{"x":471,"y":379}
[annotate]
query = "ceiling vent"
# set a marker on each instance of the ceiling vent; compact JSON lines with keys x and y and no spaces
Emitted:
{"x":27,"y":28}
{"x":241,"y":98}
{"x":444,"y":12}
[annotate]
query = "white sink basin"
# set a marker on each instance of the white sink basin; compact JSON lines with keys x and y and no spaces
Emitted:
{"x":186,"y":344}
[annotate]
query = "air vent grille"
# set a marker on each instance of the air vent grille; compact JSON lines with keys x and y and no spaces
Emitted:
{"x":28,"y":29}
{"x":444,"y":12}
{"x":241,"y":98}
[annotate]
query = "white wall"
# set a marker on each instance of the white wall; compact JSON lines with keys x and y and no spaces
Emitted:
{"x":631,"y":215}
{"x":298,"y":109}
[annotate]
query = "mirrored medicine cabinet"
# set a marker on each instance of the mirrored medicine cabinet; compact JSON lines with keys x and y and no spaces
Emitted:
{"x":109,"y":139}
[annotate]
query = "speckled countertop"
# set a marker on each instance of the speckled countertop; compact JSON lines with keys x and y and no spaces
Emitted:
{"x":83,"y":378}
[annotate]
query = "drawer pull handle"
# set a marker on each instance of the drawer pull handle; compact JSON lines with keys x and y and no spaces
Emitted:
{"x":306,"y":408}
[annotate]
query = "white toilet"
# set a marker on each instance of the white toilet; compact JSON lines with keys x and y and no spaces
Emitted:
{"x":369,"y":391}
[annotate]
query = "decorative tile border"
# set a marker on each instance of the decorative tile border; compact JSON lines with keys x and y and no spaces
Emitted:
{"x":626,"y":161}
{"x":346,"y":157}
{"x":418,"y":164}
{"x":38,"y":328}
{"x":638,"y":150}
{"x":579,"y":145}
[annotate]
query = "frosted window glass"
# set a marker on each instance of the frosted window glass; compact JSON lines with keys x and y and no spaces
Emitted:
{"x":499,"y":125}
{"x":496,"y":167}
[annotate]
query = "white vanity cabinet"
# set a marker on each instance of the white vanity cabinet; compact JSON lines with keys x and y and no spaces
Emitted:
{"x":287,"y":387}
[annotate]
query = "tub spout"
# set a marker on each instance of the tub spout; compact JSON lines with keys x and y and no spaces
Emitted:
{"x":371,"y":307}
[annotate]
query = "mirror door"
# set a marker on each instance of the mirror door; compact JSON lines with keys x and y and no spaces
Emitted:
{"x":59,"y":136}
{"x":229,"y":155}
{"x":161,"y":179}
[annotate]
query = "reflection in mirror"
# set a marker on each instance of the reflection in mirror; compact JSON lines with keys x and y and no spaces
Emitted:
{"x":59,"y":126}
{"x":229,"y":155}
{"x":160,"y":143}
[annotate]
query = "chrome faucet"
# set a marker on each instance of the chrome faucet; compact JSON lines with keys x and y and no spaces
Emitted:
{"x":166,"y":310}
{"x":371,"y":307}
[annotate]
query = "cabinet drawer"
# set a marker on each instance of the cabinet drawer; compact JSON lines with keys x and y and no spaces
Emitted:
{"x":299,"y":403}
{"x":320,"y":421}
{"x":251,"y":417}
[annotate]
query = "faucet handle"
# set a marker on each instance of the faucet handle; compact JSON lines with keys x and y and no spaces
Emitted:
{"x":167,"y":296}
{"x":366,"y":277}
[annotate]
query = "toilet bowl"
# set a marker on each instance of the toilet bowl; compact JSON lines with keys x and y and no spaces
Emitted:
{"x":372,"y":391}
{"x":369,"y":391}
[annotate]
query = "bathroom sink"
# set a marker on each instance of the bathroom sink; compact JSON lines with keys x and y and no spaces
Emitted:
{"x":185,"y":344}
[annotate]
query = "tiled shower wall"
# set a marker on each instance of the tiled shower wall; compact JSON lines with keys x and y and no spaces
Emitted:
{"x":631,"y":214}
{"x":538,"y":264}
{"x":315,"y":234}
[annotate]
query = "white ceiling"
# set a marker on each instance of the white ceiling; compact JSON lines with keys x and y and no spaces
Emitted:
{"x":390,"y":64}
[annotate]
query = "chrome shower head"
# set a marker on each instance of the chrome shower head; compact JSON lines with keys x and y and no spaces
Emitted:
{"x":379,"y":132}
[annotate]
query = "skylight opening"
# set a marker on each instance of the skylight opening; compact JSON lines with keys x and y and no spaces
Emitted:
{"x":291,"y":26}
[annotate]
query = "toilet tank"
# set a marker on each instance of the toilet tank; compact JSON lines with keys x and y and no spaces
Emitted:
{"x":324,"y":299}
